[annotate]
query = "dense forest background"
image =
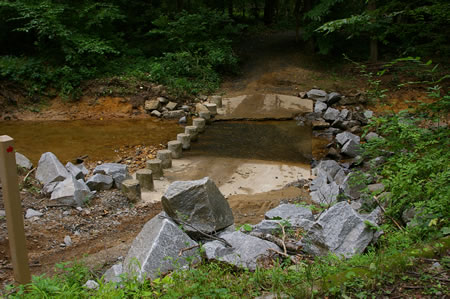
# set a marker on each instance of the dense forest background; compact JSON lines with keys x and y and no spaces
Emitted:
{"x":52,"y":46}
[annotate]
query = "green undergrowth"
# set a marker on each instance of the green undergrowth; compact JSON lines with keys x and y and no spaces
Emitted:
{"x":360,"y":276}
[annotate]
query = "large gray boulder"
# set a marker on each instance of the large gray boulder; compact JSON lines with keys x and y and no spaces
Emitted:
{"x":23,"y":161}
{"x":293,"y":213}
{"x":157,"y":247}
{"x":318,"y":95}
{"x":100,"y":182}
{"x":340,"y":230}
{"x":71,"y":192}
{"x":50,"y":169}
{"x":119,"y":172}
{"x":75,"y":171}
{"x":198,"y":203}
{"x":245,"y":250}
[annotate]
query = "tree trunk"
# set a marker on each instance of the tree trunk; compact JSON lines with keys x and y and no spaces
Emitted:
{"x":269,"y":11}
{"x":230,"y":8}
{"x":179,"y":5}
{"x":373,"y":40}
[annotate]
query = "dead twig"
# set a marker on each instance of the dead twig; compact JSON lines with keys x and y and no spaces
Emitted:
{"x":283,"y":239}
{"x":187,"y":249}
{"x":384,"y":211}
{"x":28,"y":174}
{"x":291,"y":247}
{"x":291,"y":258}
{"x":199,"y":231}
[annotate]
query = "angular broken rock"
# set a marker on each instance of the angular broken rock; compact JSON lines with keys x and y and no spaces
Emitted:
{"x":293,"y":213}
{"x":151,"y":105}
{"x":48,"y":189}
{"x":171,"y":106}
{"x":320,"y":107}
{"x":71,"y":192}
{"x":100,"y":182}
{"x":75,"y":171}
{"x":331,"y":114}
{"x":245,"y":251}
{"x":328,"y":168}
{"x":157,"y":247}
{"x":200,"y":204}
{"x":113,"y":273}
{"x":317,"y":94}
{"x":344,"y":137}
{"x":333,"y":98}
{"x":119,"y":172}
{"x":50,"y":169}
{"x":23,"y":161}
{"x":340,"y":230}
{"x":351,"y":149}
{"x":326,"y":194}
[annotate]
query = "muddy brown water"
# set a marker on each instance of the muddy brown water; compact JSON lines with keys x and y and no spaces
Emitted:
{"x":99,"y":139}
{"x":281,"y":141}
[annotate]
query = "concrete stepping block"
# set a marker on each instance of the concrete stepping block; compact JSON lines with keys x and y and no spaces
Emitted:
{"x":192,"y":132}
{"x":200,"y":123}
{"x":155,"y":166}
{"x":145,"y":178}
{"x":176,"y":148}
{"x":132,"y":190}
{"x":212,"y":108}
{"x":166,"y":158}
{"x":217,"y":100}
{"x":185,"y":140}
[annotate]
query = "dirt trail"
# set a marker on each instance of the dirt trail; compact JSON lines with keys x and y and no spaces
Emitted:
{"x":276,"y":63}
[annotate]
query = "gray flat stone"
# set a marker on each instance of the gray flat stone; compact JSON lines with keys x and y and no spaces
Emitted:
{"x":171,"y":106}
{"x":340,"y":230}
{"x":318,"y":95}
{"x":175,"y":114}
{"x":50,"y":169}
{"x":272,"y":226}
{"x":119,"y":172}
{"x":32,"y":213}
{"x":100,"y":182}
{"x":198,"y":203}
{"x":290,"y":212}
{"x":23,"y":161}
{"x":244,"y":253}
{"x":156,"y":249}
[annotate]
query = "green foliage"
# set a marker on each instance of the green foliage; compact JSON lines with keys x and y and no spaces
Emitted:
{"x":197,"y":48}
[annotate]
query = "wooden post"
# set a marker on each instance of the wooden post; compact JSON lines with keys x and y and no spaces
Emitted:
{"x":13,"y":209}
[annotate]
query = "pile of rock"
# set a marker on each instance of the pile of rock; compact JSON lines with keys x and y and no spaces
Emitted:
{"x":204,"y":107}
{"x":66,"y":184}
{"x":328,"y":121}
{"x":207,"y":220}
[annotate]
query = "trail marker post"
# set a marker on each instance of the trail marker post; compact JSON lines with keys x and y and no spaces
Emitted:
{"x":13,"y":209}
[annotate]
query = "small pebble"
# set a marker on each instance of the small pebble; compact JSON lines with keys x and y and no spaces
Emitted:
{"x":91,"y":284}
{"x":68,"y":241}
